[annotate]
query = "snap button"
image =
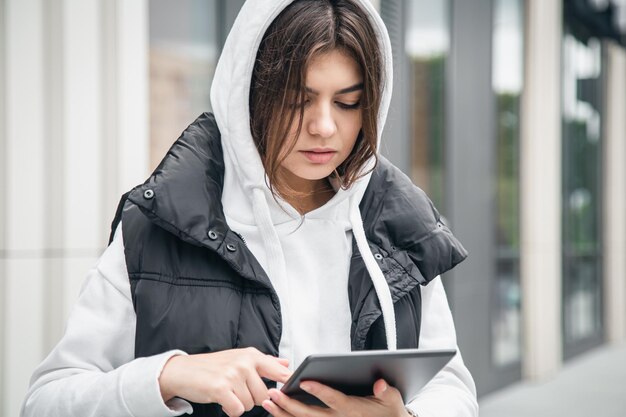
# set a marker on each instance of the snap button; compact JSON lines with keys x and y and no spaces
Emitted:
{"x":378,"y":256}
{"x":148,"y":194}
{"x":212,"y":235}
{"x":230,"y":247}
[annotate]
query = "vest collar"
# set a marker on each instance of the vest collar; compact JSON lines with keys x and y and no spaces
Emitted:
{"x":183,"y":195}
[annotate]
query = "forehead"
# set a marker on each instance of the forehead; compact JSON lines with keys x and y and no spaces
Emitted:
{"x":332,"y":70}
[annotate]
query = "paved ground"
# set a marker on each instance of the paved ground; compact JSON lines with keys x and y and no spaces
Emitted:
{"x":591,"y":385}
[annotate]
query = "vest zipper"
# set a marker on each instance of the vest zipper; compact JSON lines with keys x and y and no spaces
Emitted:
{"x":242,"y":239}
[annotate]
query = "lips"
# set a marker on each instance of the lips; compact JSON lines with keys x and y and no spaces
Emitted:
{"x":319,"y":156}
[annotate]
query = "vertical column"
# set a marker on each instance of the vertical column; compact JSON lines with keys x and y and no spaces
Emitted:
{"x":110,"y":97}
{"x":469,"y":173}
{"x":54,"y":170}
{"x":58,"y":190}
{"x":3,"y":193}
{"x":24,"y":198}
{"x":125,"y":101}
{"x":397,"y":146}
{"x":541,"y":190}
{"x":132,"y":100}
{"x":615,"y":197}
{"x":83,"y":237}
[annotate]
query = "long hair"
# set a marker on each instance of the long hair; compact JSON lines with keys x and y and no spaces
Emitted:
{"x":302,"y":31}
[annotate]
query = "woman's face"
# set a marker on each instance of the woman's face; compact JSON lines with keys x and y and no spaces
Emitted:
{"x":332,"y":118}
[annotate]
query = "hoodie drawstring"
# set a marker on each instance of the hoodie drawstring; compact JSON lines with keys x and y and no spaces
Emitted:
{"x":276,"y":266}
{"x":378,"y":279}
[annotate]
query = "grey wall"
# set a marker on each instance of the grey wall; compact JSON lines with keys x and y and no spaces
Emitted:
{"x":470,"y":187}
{"x":396,"y":144}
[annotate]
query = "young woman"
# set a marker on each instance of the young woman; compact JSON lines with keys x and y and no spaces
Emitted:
{"x":271,"y":230}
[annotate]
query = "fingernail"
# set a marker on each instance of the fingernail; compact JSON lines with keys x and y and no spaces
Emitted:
{"x":384,"y":386}
{"x":267,"y":405}
{"x":305,"y":387}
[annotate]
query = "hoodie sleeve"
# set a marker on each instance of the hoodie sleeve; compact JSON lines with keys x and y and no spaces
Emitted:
{"x":451,"y":393}
{"x":92,"y":370}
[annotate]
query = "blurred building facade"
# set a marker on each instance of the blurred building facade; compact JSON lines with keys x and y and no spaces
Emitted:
{"x":510,"y":114}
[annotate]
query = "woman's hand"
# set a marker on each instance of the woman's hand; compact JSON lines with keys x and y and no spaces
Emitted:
{"x":231,"y":378}
{"x":386,"y":402}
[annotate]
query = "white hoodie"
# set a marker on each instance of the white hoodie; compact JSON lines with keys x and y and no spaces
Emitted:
{"x":296,"y":256}
{"x":92,"y":371}
{"x":307,"y":260}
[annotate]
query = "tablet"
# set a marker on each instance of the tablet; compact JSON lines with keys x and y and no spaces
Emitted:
{"x":354,"y":373}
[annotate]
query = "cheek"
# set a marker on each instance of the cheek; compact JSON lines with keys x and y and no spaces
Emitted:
{"x":291,"y":141}
{"x":353,"y":127}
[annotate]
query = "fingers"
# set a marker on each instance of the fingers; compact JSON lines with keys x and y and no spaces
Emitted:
{"x":380,"y":387}
{"x":290,"y":406}
{"x":386,"y":393}
{"x":245,"y":397}
{"x":386,"y":401}
{"x":231,"y":404}
{"x":331,"y":397}
{"x":254,"y":391}
{"x":272,"y":368}
{"x":274,"y":409}
{"x":257,"y":388}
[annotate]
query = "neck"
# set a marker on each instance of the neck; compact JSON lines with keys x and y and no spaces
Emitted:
{"x":312,"y":194}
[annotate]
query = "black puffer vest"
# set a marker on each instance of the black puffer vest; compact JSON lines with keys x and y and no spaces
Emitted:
{"x":196,"y":286}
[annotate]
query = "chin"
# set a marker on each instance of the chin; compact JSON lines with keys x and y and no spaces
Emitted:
{"x":313,"y":174}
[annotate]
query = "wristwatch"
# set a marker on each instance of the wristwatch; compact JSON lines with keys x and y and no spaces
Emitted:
{"x":411,"y":412}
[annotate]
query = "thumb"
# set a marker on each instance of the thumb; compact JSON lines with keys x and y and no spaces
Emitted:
{"x":380,"y":388}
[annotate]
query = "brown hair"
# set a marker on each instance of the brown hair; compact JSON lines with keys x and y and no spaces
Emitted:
{"x":303,"y":30}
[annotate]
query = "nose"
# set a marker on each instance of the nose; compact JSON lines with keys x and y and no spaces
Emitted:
{"x":322,"y":122}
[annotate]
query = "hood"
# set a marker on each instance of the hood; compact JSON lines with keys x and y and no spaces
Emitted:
{"x":246,"y":196}
{"x":231,"y":89}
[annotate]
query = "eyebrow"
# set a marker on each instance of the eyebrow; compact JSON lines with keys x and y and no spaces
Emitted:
{"x":346,"y":90}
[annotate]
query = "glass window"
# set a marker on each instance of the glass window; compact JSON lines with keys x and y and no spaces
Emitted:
{"x":183,"y":55}
{"x":583,"y":70}
{"x":427,"y":46}
{"x":507,"y":67}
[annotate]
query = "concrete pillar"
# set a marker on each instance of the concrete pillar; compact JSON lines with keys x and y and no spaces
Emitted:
{"x":23,"y":197}
{"x":3,"y":154}
{"x":541,"y":190}
{"x":73,"y":138}
{"x":615,"y":197}
{"x":125,"y":99}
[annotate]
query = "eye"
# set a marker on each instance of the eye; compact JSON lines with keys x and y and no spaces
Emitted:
{"x":349,"y":106}
{"x":299,"y":104}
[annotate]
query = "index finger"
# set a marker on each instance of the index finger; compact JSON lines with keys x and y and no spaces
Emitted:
{"x":269,"y":367}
